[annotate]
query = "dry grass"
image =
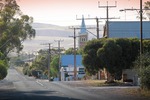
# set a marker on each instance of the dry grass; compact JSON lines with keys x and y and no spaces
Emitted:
{"x":145,"y":93}
{"x":95,"y":82}
{"x":98,"y":83}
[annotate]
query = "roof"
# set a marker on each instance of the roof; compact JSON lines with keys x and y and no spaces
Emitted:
{"x":83,"y":27}
{"x":69,"y":60}
{"x":128,"y":29}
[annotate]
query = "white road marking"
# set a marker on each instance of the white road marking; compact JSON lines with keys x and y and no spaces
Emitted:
{"x":39,"y":83}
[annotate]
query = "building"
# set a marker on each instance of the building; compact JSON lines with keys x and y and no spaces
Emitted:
{"x":83,"y":34}
{"x":67,"y":67}
{"x":126,"y":29}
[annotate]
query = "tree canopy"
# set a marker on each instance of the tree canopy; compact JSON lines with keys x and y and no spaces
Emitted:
{"x":14,"y":27}
{"x":112,"y":54}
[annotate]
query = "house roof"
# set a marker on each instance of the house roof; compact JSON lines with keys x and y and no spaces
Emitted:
{"x":69,"y":60}
{"x":128,"y":29}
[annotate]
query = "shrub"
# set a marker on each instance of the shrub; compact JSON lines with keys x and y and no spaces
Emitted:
{"x":142,"y":65}
{"x":25,"y":70}
{"x":3,"y":70}
{"x":145,"y":78}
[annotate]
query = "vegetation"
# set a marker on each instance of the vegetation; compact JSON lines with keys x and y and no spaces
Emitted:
{"x":3,"y":69}
{"x":112,"y":54}
{"x":70,"y":51}
{"x":142,"y":65}
{"x":14,"y":29}
{"x":90,"y":58}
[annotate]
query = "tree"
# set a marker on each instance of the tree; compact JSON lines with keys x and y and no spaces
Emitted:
{"x":14,"y":27}
{"x":3,"y":69}
{"x":130,"y":50}
{"x":112,"y":54}
{"x":70,"y":51}
{"x":109,"y":56}
{"x":54,"y":69}
{"x":147,"y":6}
{"x":90,"y":59}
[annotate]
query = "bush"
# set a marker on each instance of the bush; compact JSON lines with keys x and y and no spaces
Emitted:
{"x":25,"y":70}
{"x":3,"y":70}
{"x":145,"y":78}
{"x":142,"y":65}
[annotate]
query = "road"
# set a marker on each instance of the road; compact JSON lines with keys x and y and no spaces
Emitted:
{"x":19,"y":87}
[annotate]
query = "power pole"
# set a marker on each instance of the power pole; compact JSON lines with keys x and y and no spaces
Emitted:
{"x":49,"y":59}
{"x":74,"y":37}
{"x":59,"y":74}
{"x":97,"y":24}
{"x":107,"y":14}
{"x":141,"y":23}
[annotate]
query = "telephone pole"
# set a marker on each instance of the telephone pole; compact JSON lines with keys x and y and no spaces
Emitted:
{"x":59,"y":74}
{"x":97,"y":24}
{"x":107,"y":14}
{"x":49,"y":59}
{"x":74,"y":37}
{"x":141,"y":28}
{"x":140,"y":11}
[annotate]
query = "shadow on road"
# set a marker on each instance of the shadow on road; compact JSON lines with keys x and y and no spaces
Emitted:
{"x":6,"y":94}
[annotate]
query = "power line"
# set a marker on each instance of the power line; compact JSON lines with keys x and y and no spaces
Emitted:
{"x":107,"y":14}
{"x":140,"y":11}
{"x":97,"y":24}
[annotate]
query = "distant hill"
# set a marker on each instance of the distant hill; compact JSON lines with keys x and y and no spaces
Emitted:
{"x":46,"y":26}
{"x":47,"y":33}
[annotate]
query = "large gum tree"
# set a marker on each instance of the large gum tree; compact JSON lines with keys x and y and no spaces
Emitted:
{"x":14,"y":27}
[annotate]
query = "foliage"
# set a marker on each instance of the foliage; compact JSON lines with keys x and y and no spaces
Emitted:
{"x":70,"y":51}
{"x":112,"y":54}
{"x":14,"y":27}
{"x":145,"y":78}
{"x":3,"y":69}
{"x":54,"y":68}
{"x":147,"y":6}
{"x":90,"y":60}
{"x":142,"y":65}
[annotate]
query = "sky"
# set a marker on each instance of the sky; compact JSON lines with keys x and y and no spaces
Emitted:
{"x":64,"y":12}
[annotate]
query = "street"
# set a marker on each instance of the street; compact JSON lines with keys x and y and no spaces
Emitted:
{"x":19,"y":87}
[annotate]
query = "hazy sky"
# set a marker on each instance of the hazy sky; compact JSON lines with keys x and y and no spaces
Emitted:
{"x":63,"y":12}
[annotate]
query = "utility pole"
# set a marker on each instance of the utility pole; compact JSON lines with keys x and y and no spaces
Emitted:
{"x":140,"y":11}
{"x":97,"y":24}
{"x":141,"y":28}
{"x":107,"y":14}
{"x":74,"y":37}
{"x":59,"y":74}
{"x":49,"y":59}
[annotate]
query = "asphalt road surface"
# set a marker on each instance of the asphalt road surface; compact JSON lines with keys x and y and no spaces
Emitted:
{"x":19,"y":87}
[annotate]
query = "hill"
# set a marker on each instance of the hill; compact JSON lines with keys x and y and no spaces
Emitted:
{"x":47,"y":33}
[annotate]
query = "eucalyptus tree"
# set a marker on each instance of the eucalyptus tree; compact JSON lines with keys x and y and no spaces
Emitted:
{"x":15,"y":27}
